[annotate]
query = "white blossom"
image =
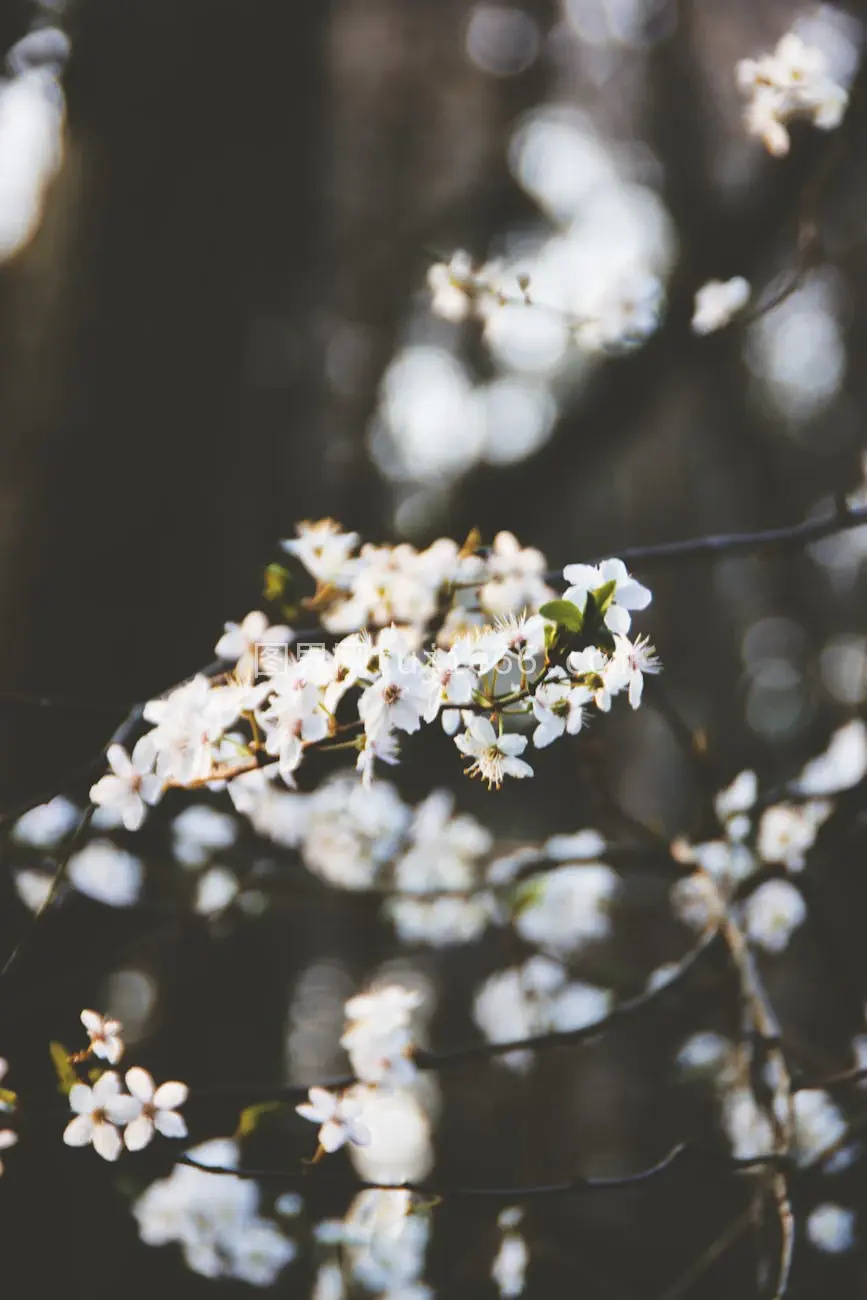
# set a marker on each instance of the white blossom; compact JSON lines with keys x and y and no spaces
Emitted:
{"x":509,"y":1269}
{"x":105,"y":1036}
{"x":494,"y":757}
{"x":338,"y":1117}
{"x":558,"y":706}
{"x":792,"y":82}
{"x":841,"y":766}
{"x":628,"y":594}
{"x":124,"y":795}
{"x":717,"y":302}
{"x":378,"y":1038}
{"x":158,"y":1109}
{"x":831,"y":1228}
{"x":240,"y":642}
{"x":788,"y":831}
{"x":98,"y":1111}
{"x":629,"y":664}
{"x":322,"y":548}
{"x":106,"y":873}
{"x":772,"y":913}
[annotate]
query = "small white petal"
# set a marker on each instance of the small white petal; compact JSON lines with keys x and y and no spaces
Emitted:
{"x":106,"y":1141}
{"x":140,"y":1084}
{"x":170,"y":1124}
{"x":139,"y":1133}
{"x":171,"y":1095}
{"x":332,"y":1136}
{"x":81,"y":1098}
{"x":78,"y":1131}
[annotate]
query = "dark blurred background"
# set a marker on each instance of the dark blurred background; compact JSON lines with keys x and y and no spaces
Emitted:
{"x":214,"y":322}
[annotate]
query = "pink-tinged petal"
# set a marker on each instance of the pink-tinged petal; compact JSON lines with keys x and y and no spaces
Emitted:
{"x":332,"y":1136}
{"x":170,"y":1095}
{"x":170,"y":1124}
{"x":138,"y":1133}
{"x":78,"y":1131}
{"x":81,"y":1098}
{"x":106,"y":1141}
{"x":360,"y":1134}
{"x":8,"y":1138}
{"x":123,"y":1110}
{"x":106,"y":1087}
{"x":92,"y":1022}
{"x":140,"y":1084}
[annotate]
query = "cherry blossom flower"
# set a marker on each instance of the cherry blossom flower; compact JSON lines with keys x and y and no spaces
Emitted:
{"x":378,"y":1038}
{"x":98,"y":1111}
{"x":158,"y":1109}
{"x":105,"y":1036}
{"x":593,"y":669}
{"x":558,"y":707}
{"x":130,"y":787}
{"x":494,"y":757}
{"x":338,"y":1117}
{"x":791,"y":82}
{"x":631,"y":660}
{"x":717,"y":302}
{"x":397,"y":699}
{"x":455,"y":285}
{"x":628,"y":594}
{"x":772,"y":913}
{"x":240,"y":642}
{"x":322,"y":548}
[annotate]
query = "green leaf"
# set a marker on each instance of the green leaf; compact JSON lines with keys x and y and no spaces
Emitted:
{"x":564,"y":614}
{"x":66,"y":1076}
{"x":276,"y":581}
{"x":248,"y":1120}
{"x":602,"y":595}
{"x":528,"y":894}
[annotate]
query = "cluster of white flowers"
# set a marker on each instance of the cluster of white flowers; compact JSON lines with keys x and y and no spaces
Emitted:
{"x":780,"y":836}
{"x":490,"y":665}
{"x":215,"y":1220}
{"x":379,"y":1042}
{"x":618,"y":312}
{"x":792,"y":82}
{"x":533,"y":999}
{"x":379,"y":1246}
{"x":102,"y":1109}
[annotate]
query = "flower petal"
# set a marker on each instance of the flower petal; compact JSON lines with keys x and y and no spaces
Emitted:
{"x":78,"y":1131}
{"x":123,"y":1110}
{"x":81,"y":1098}
{"x":140,"y":1084}
{"x":332,"y":1136}
{"x":92,"y":1022}
{"x":170,"y":1095}
{"x":106,"y":1141}
{"x":138,"y":1133}
{"x":170,"y":1124}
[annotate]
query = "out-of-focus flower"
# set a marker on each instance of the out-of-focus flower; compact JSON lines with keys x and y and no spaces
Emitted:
{"x":717,"y":302}
{"x":793,"y":82}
